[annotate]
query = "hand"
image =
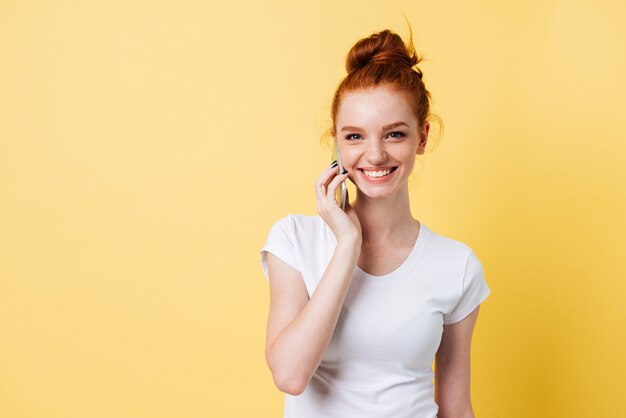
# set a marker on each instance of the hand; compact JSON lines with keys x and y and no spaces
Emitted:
{"x":344,"y":224}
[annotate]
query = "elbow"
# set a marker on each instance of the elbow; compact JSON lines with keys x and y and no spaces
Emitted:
{"x":293,"y":387}
{"x":289,"y":383}
{"x":286,"y":380}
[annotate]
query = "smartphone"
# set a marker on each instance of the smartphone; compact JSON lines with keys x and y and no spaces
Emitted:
{"x":342,"y":190}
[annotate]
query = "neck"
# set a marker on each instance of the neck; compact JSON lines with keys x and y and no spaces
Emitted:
{"x":386,"y":219}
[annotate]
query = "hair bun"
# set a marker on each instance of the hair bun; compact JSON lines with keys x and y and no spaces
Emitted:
{"x":385,"y":48}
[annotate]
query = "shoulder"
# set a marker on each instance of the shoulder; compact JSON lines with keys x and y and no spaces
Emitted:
{"x":310,"y":230}
{"x":449,"y":249}
{"x":456,"y":267}
{"x":301,"y":227}
{"x":306,"y":223}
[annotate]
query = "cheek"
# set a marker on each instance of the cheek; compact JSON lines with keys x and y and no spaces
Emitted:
{"x":349,"y":159}
{"x":409,"y":164}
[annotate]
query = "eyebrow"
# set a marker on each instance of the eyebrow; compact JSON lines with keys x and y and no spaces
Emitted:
{"x":391,"y":125}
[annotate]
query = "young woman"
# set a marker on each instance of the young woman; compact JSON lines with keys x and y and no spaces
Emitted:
{"x":363,"y":300}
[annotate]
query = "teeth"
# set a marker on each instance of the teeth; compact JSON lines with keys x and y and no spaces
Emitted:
{"x":377,"y":173}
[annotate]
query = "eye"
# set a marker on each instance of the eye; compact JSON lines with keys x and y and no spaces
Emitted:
{"x":349,"y":136}
{"x":400,"y":134}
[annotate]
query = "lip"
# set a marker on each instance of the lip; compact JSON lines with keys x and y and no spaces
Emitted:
{"x":376,"y":168}
{"x":377,"y":180}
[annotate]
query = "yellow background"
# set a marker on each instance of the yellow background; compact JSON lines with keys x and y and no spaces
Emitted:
{"x":146,"y":147}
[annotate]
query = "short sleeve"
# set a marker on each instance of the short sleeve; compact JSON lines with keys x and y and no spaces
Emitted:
{"x":474,"y":291}
{"x":280,"y":242}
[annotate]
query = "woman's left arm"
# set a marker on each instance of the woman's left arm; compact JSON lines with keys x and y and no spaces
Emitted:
{"x":452,"y":369}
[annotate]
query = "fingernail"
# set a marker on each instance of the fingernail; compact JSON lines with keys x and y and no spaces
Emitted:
{"x":345,"y":172}
{"x":334,"y":164}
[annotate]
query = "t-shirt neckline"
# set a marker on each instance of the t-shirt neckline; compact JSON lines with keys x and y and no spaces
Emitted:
{"x":363,"y":276}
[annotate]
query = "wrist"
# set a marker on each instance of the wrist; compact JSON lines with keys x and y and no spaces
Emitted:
{"x":350,"y":244}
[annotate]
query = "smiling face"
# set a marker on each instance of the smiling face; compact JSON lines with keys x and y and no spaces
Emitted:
{"x":376,"y":132}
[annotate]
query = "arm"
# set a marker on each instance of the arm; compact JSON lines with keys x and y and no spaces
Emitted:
{"x":299,"y":330}
{"x":452,"y":369}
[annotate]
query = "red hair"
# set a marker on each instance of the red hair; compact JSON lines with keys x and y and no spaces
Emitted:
{"x":383,"y":59}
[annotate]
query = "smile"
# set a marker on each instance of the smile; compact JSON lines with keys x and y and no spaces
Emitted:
{"x":377,"y":176}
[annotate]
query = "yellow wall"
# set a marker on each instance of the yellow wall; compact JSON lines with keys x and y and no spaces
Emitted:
{"x":147,"y":147}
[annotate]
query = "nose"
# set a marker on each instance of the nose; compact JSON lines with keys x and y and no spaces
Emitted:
{"x":376,"y":153}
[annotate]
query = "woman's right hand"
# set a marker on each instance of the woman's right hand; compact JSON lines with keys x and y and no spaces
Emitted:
{"x":344,"y":224}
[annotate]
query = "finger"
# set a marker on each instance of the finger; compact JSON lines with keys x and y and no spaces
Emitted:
{"x":321,"y":182}
{"x":324,"y":179}
{"x":334,"y":184}
{"x":328,"y":169}
{"x":326,"y":173}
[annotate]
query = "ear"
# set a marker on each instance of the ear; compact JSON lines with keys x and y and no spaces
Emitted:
{"x":423,"y":138}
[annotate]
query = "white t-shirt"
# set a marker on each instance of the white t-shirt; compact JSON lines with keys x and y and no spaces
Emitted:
{"x":379,"y":361}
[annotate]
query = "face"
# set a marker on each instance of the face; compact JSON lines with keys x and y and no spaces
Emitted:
{"x":377,"y":131}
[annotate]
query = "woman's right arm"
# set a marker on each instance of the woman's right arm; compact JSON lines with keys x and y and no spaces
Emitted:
{"x":299,"y":330}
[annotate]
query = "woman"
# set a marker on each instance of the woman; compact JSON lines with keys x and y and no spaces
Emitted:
{"x":362,"y":301}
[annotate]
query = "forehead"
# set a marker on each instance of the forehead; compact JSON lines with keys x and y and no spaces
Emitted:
{"x":374,"y":107}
